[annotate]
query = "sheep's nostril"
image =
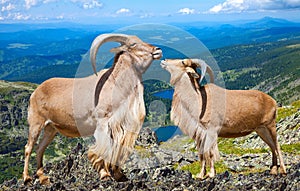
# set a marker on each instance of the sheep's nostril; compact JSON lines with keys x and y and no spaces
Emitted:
{"x":157,"y":48}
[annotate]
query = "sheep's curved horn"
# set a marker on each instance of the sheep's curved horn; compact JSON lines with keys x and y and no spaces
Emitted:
{"x":101,"y":39}
{"x":202,"y":64}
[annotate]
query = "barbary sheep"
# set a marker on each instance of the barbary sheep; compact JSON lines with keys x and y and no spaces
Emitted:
{"x":207,"y":112}
{"x":109,"y":105}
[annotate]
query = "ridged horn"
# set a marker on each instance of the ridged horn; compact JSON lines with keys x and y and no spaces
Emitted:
{"x":101,"y":39}
{"x":204,"y":67}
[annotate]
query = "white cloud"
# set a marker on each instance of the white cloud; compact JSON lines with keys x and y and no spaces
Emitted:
{"x":92,"y":4}
{"x":123,"y":10}
{"x":186,"y":11}
{"x":88,"y":4}
{"x":30,"y":3}
{"x":85,"y":4}
{"x":19,"y":16}
{"x":233,"y":6}
{"x":9,"y":7}
{"x":4,"y":1}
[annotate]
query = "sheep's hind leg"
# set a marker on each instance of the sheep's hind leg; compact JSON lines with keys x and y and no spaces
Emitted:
{"x":282,"y":168}
{"x":266,"y":136}
{"x":34,"y":131}
{"x":49,"y":134}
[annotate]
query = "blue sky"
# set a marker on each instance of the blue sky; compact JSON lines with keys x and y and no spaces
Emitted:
{"x":104,"y":11}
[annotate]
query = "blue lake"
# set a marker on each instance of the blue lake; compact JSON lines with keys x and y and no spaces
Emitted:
{"x":167,"y":132}
{"x":166,"y":94}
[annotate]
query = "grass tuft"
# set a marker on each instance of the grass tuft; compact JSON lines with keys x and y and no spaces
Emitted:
{"x":291,"y":148}
{"x":227,"y":146}
{"x":284,"y":112}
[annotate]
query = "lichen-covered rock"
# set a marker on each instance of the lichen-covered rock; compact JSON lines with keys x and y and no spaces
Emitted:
{"x":76,"y":173}
{"x":147,"y":137}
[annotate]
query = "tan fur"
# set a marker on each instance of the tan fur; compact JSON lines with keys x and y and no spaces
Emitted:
{"x":68,"y":106}
{"x":228,"y":113}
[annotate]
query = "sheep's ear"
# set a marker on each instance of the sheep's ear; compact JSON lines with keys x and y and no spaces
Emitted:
{"x":119,"y":49}
{"x":191,"y":71}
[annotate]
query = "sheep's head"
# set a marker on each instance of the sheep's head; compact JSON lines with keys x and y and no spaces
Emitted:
{"x":142,"y":53}
{"x":179,"y":67}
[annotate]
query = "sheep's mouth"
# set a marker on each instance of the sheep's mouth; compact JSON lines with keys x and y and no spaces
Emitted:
{"x":157,"y":54}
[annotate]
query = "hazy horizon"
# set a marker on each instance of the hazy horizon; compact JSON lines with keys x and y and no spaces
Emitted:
{"x":168,"y":11}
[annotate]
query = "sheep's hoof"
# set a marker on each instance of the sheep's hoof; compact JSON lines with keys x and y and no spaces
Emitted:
{"x":123,"y":178}
{"x":211,"y":175}
{"x":274,"y":170}
{"x":27,"y":180}
{"x":200,"y":176}
{"x":106,"y":178}
{"x":44,"y":180}
{"x":119,"y":176}
{"x":282,"y":171}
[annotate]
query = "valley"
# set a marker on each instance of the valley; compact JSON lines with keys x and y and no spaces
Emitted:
{"x":263,"y":55}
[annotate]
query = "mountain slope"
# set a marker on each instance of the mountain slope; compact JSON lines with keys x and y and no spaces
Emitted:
{"x":270,"y":67}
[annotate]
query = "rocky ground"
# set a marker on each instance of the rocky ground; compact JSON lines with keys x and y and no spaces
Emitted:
{"x":75,"y":173}
{"x":155,"y":166}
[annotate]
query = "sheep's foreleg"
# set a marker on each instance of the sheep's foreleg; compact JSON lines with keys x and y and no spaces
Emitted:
{"x":28,"y":150}
{"x":212,"y":171}
{"x":203,"y":168}
{"x":99,"y":164}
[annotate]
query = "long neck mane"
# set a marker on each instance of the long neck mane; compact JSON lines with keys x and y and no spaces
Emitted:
{"x":186,"y":105}
{"x":111,"y":72}
{"x":189,"y":105}
{"x":121,"y":112}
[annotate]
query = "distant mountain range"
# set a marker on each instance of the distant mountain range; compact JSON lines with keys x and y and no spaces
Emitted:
{"x":36,"y":52}
{"x":270,"y":22}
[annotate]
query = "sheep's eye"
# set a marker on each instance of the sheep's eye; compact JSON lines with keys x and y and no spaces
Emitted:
{"x":182,"y":62}
{"x":132,"y":45}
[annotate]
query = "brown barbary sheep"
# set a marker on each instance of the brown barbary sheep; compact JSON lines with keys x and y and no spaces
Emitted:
{"x":109,"y":105}
{"x":207,"y":112}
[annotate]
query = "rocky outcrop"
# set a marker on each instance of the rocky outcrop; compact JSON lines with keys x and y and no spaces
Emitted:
{"x":147,"y":137}
{"x":14,"y":99}
{"x":13,"y":109}
{"x":155,"y":167}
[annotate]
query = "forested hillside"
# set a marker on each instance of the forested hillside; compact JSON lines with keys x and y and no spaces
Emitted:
{"x":270,"y":67}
